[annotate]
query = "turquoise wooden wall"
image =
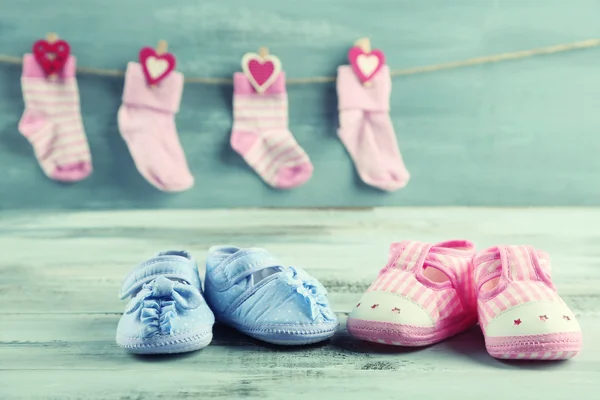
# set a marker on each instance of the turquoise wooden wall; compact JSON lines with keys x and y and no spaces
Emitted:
{"x":524,"y":132}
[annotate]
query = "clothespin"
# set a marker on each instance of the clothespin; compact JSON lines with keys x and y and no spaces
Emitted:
{"x":162,"y":47}
{"x":365,"y":45}
{"x":51,"y":37}
{"x":263,"y":52}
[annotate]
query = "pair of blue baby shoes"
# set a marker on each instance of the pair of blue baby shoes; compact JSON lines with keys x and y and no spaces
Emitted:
{"x":247,"y":289}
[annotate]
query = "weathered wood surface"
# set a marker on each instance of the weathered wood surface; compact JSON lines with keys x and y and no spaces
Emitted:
{"x":60,"y":274}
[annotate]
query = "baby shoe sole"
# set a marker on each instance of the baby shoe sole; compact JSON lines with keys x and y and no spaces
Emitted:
{"x":404,"y":335}
{"x":291,"y":337}
{"x":182,"y":343}
{"x":551,"y":346}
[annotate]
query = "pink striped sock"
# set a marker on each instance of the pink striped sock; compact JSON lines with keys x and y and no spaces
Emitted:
{"x":261,"y":136}
{"x":52,"y":122}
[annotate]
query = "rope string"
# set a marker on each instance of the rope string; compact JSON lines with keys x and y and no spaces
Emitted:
{"x":560,"y":48}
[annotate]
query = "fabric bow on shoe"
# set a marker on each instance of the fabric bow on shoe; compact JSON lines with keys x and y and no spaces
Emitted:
{"x":160,"y":300}
{"x":166,"y":312}
{"x":313,"y":292}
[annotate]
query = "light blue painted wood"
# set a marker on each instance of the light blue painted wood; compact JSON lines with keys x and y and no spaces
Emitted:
{"x":60,"y":273}
{"x":514,"y":133}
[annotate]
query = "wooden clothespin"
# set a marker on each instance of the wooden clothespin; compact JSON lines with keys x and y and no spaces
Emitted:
{"x":263,"y":52}
{"x":162,"y":47}
{"x":365,"y":45}
{"x":51,"y":37}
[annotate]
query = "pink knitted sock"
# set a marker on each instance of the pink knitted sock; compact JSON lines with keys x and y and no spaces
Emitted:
{"x":147,"y":124}
{"x":261,"y":136}
{"x":52,"y":121}
{"x":366,"y":129}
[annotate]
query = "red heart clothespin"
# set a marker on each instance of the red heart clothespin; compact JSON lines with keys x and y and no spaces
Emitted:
{"x":261,"y":69}
{"x":156,"y":64}
{"x":365,"y":62}
{"x":51,"y":54}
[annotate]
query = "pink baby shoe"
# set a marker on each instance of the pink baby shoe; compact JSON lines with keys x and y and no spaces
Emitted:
{"x":423,"y":295}
{"x":520,"y":313}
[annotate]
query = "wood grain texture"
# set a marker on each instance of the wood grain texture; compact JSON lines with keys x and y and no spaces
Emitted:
{"x":514,"y":133}
{"x":60,"y":274}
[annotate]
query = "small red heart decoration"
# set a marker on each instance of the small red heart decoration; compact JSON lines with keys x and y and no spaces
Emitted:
{"x":51,"y":56}
{"x":155,"y":66}
{"x":261,"y":71}
{"x":365,"y":65}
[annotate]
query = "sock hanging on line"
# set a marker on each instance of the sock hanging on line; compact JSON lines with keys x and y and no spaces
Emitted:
{"x":366,"y":129}
{"x":147,"y":124}
{"x":52,"y":121}
{"x":261,"y":136}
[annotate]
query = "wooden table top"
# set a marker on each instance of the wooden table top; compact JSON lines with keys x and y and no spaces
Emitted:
{"x":60,"y":274}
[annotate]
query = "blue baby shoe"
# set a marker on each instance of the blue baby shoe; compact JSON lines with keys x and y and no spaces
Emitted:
{"x":252,"y":291}
{"x":167,"y":313}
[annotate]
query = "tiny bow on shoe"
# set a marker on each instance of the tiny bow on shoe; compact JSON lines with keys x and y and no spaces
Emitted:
{"x":313,"y":292}
{"x":160,"y":300}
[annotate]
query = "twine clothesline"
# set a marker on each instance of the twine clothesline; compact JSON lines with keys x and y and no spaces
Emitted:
{"x":585,"y":44}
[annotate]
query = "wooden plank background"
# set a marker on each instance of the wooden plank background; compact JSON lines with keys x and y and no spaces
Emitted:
{"x":515,"y":133}
{"x":60,"y":274}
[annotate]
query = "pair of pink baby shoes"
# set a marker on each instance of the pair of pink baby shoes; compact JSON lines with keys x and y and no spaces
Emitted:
{"x":429,"y":292}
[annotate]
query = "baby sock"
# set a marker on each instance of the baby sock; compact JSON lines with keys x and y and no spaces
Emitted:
{"x":261,"y":136}
{"x":366,"y":129}
{"x":52,"y":121}
{"x":147,"y":124}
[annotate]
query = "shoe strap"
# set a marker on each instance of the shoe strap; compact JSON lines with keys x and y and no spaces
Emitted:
{"x":169,"y":266}
{"x":513,"y":263}
{"x":520,"y":263}
{"x":241,"y":265}
{"x":408,"y":255}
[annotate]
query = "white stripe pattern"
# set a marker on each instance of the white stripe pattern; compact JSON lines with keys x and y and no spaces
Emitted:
{"x":399,"y":278}
{"x":275,"y":147}
{"x":52,"y":123}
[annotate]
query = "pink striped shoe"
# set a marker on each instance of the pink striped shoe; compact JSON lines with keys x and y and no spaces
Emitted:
{"x":520,"y":313}
{"x":423,"y":295}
